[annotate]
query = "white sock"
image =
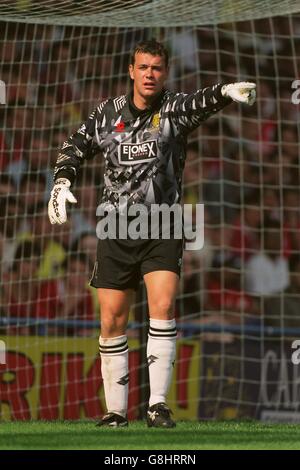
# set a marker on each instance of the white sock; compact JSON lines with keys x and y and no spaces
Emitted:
{"x":161,"y":351}
{"x":114,"y":369}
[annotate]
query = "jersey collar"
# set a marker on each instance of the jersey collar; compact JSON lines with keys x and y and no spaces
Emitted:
{"x":131,"y":111}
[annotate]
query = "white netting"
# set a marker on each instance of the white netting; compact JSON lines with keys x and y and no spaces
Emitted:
{"x":237,"y":308}
{"x":142,"y":13}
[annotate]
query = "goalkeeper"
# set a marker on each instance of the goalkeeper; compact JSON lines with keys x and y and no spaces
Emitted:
{"x":147,"y":174}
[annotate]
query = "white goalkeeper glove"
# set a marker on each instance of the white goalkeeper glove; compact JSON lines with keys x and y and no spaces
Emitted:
{"x":242,"y":92}
{"x":60,"y":194}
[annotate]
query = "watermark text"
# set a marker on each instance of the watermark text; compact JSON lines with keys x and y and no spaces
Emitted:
{"x":137,"y":221}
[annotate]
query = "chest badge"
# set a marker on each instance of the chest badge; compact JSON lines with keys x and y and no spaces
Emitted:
{"x":155,"y":121}
{"x":120,"y":126}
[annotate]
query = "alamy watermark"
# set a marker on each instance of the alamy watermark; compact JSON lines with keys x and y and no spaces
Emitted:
{"x":137,"y":221}
{"x":2,"y":352}
{"x":295,"y":99}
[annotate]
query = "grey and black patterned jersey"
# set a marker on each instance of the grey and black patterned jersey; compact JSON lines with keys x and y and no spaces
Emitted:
{"x":144,"y":151}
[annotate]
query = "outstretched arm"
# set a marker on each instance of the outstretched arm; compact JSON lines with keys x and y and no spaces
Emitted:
{"x":188,"y":110}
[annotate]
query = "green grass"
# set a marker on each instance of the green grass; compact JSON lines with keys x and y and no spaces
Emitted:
{"x":187,"y":435}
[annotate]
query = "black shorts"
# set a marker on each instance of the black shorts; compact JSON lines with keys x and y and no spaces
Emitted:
{"x":121,"y":264}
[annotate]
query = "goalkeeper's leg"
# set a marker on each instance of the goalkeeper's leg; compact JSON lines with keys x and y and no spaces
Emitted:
{"x":114,"y":308}
{"x":161,"y":348}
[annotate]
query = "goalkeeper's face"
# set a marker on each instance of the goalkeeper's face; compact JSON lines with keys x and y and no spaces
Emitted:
{"x":149,"y":74}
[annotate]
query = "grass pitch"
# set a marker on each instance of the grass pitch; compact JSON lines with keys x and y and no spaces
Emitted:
{"x":187,"y":435}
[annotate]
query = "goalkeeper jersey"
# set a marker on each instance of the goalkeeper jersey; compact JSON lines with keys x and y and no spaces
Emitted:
{"x":144,"y":150}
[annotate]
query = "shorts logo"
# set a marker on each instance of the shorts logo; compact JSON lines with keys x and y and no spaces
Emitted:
{"x":130,"y":154}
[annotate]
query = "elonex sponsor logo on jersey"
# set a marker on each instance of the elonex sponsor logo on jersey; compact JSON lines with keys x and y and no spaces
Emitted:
{"x":129,"y":154}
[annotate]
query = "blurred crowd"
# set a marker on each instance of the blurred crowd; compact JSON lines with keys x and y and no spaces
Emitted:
{"x":242,"y":164}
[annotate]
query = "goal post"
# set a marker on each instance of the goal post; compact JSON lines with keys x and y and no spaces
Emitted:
{"x":239,"y":298}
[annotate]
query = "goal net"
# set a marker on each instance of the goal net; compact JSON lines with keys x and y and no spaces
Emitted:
{"x":238,"y":306}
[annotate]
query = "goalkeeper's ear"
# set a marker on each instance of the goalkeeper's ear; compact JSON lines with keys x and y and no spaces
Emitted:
{"x":130,"y":69}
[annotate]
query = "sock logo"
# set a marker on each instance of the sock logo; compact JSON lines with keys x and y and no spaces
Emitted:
{"x":123,"y":380}
{"x":151,"y":360}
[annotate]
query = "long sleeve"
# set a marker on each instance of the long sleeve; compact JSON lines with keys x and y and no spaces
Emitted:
{"x":187,"y":111}
{"x":83,"y":144}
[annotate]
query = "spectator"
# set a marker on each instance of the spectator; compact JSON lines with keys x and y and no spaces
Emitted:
{"x":74,"y":295}
{"x":271,"y":204}
{"x":35,"y":159}
{"x":282,"y":309}
{"x":84,"y":214}
{"x":267,"y":271}
{"x":192,"y":176}
{"x":245,"y":232}
{"x":59,"y":135}
{"x":59,"y":71}
{"x":54,"y":243}
{"x":7,"y":185}
{"x":32,"y":191}
{"x":11,"y":221}
{"x":22,"y":295}
{"x":4,"y":146}
{"x":86,"y":243}
{"x":17,"y":125}
{"x":291,"y":220}
{"x":226,"y":295}
{"x":188,"y":306}
{"x":183,"y":43}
